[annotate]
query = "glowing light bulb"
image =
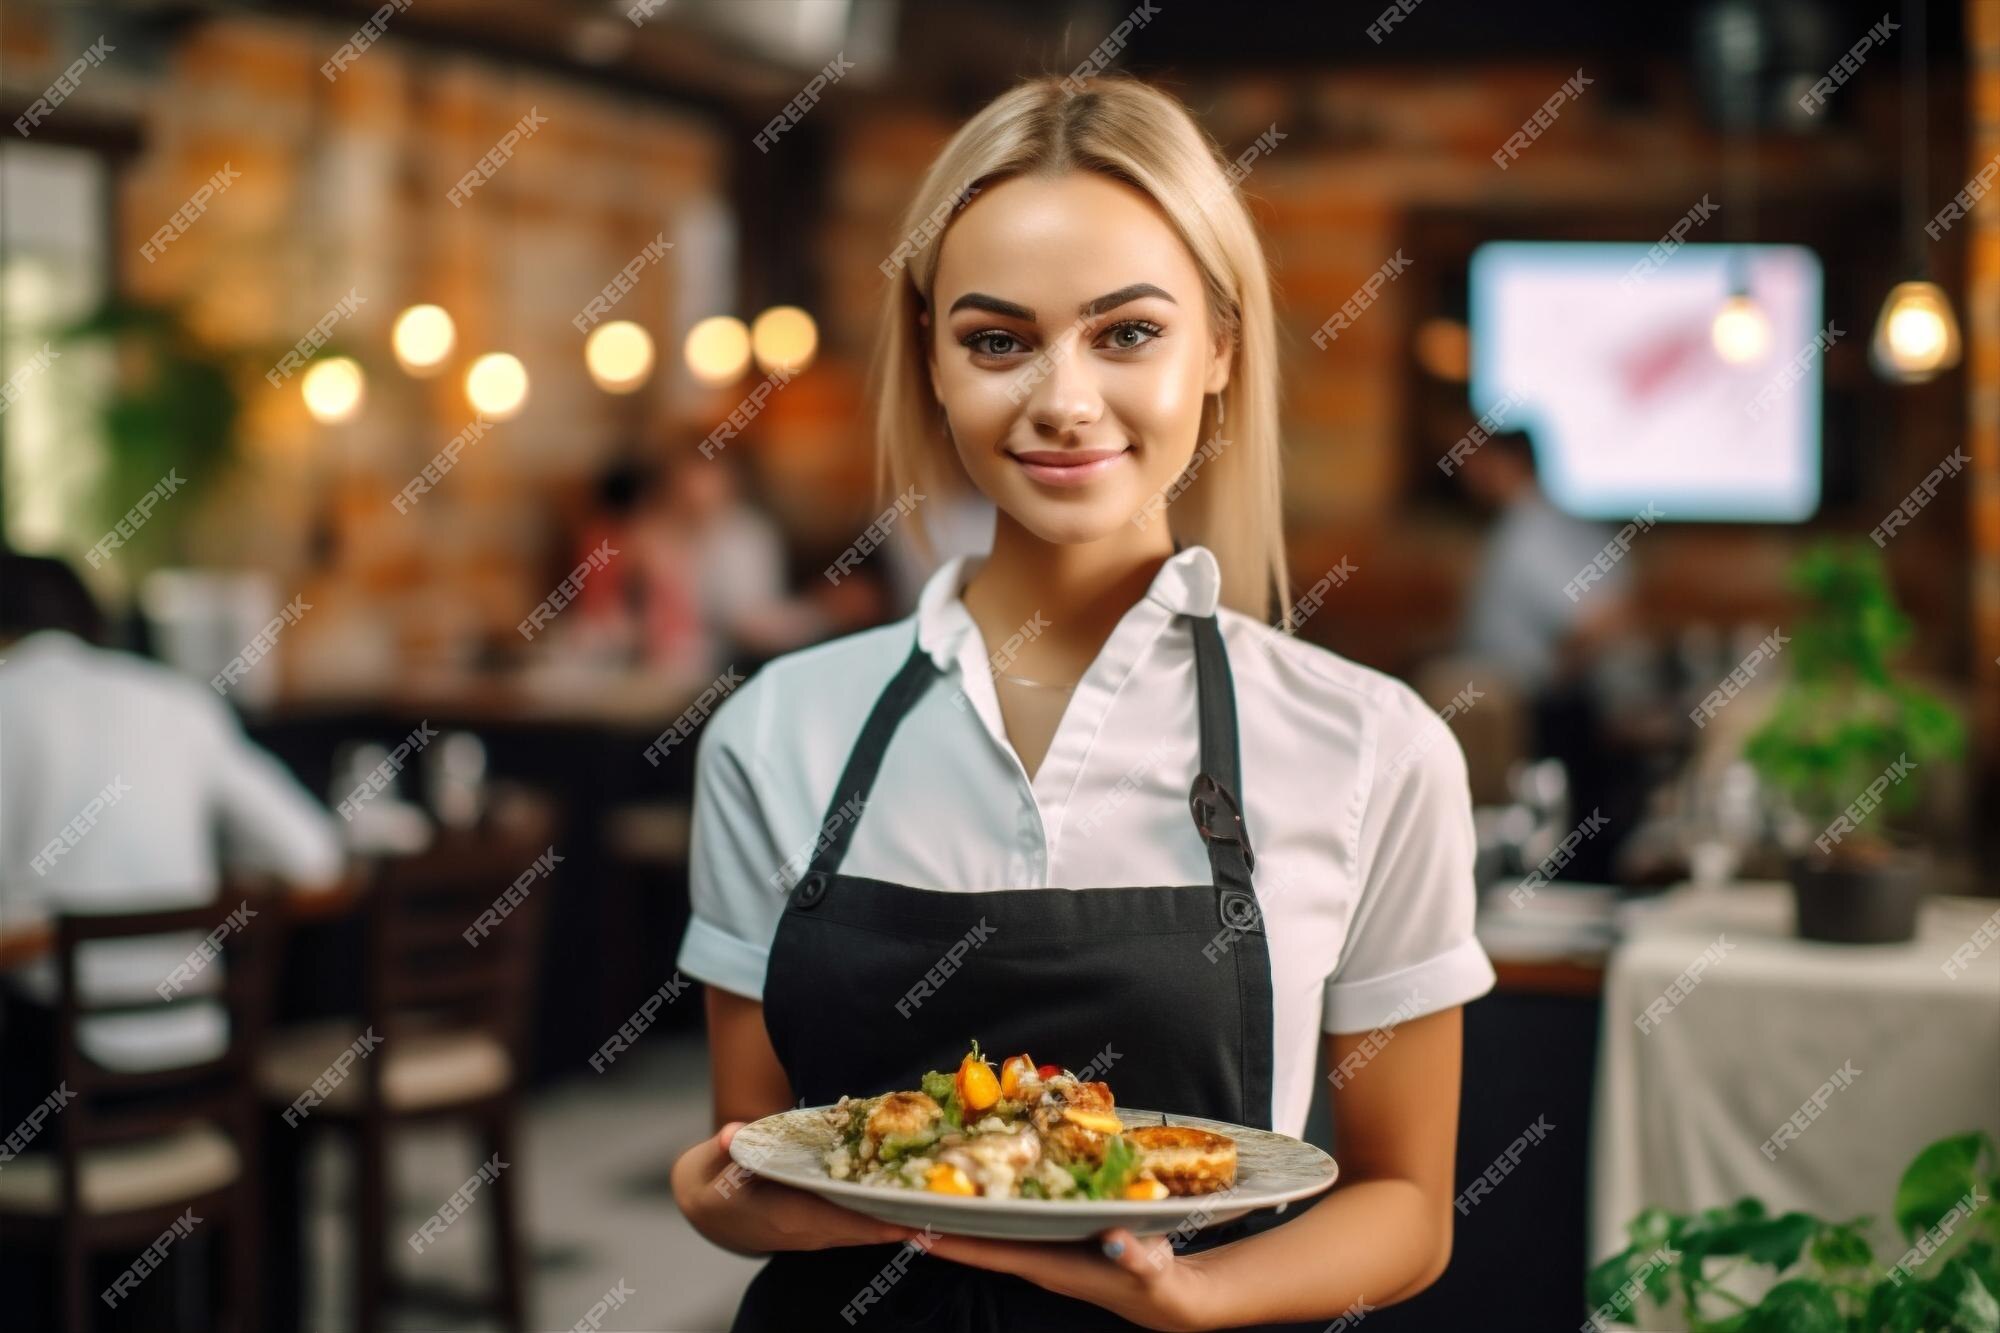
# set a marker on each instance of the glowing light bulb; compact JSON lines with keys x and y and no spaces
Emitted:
{"x":784,"y":336}
{"x":717,"y":349}
{"x":1741,"y":331}
{"x":1916,"y":336}
{"x":497,"y":384}
{"x":332,"y":389}
{"x":423,"y":337}
{"x":619,"y":356}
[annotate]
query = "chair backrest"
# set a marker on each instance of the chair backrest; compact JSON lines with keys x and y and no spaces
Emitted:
{"x":454,"y":935}
{"x":239,"y":938}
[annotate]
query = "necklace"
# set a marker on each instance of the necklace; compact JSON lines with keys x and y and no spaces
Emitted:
{"x":1037,"y":684}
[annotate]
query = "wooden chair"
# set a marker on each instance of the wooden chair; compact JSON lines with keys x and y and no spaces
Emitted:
{"x":135,"y":1150}
{"x":452,"y":1021}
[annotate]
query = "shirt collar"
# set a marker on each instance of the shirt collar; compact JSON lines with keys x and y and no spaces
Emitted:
{"x":1189,"y":583}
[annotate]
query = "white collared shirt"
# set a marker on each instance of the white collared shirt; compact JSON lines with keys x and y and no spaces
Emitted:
{"x":125,"y":786}
{"x":1354,"y":795}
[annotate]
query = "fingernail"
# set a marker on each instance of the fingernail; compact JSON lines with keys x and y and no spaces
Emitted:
{"x":1113,"y":1248}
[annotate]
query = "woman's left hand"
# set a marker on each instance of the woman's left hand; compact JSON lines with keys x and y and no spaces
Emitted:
{"x":1139,"y":1278}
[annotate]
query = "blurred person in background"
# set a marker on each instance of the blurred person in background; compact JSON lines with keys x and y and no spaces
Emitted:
{"x":1521,"y":621}
{"x":694,"y":574}
{"x":193,"y":795}
{"x":1518,"y":616}
{"x":641,"y":607}
{"x":735,"y":553}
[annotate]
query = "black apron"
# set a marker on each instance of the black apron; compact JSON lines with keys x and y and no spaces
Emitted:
{"x":1112,"y":975}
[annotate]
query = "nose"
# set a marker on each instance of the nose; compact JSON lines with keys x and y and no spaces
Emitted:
{"x":1063,"y":393}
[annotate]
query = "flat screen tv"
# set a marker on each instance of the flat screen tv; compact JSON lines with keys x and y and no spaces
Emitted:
{"x":1608,"y":355}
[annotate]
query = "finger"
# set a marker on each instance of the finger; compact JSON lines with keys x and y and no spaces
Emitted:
{"x":710,"y":1155}
{"x":881,"y":1229}
{"x":1143,"y":1255}
{"x":726,"y":1133}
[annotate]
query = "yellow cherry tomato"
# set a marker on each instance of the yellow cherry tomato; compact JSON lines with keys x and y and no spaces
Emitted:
{"x":978,"y":1089}
{"x":1012,"y":1070}
{"x":947,"y":1179}
{"x":1145,"y":1188}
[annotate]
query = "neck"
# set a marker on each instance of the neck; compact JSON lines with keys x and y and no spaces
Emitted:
{"x":1079,"y":591}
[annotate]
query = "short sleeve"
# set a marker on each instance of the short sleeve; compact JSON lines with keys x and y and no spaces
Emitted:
{"x":1410,"y":949}
{"x":732,"y":855}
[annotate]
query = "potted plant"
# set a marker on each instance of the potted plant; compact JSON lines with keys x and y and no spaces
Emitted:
{"x":1827,"y":1277}
{"x":1849,"y":749}
{"x":165,"y":405}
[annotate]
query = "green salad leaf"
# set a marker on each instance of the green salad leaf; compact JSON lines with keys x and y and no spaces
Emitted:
{"x":1108,"y":1178}
{"x":943,"y":1089}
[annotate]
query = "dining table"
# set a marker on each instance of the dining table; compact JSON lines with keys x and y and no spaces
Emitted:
{"x":1738,"y":1059}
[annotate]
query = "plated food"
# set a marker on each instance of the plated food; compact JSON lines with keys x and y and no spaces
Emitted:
{"x":796,"y":1148}
{"x":1027,"y":1131}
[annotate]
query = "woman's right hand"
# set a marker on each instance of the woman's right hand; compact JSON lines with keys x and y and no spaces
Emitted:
{"x":743,"y":1212}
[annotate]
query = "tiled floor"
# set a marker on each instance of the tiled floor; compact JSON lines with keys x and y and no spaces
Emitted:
{"x":597,"y":1152}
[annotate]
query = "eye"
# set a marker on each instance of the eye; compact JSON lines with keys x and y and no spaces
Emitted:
{"x":977,"y":342}
{"x":1143,"y":327}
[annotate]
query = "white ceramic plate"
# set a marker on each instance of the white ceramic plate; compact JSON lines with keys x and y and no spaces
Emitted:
{"x":1271,"y":1169}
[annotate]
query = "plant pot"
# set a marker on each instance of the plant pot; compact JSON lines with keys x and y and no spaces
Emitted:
{"x":1855,"y":901}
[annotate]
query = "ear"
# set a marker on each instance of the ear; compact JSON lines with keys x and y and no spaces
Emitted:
{"x":1221,"y":354}
{"x":930,"y":351}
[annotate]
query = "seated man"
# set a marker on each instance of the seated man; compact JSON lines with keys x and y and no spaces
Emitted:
{"x":123,"y":786}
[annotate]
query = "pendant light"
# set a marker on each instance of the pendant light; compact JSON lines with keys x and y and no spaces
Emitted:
{"x":496,"y":383}
{"x":619,"y":356}
{"x":424,"y":334}
{"x":1741,"y":330}
{"x":1916,"y":335}
{"x":423,"y":338}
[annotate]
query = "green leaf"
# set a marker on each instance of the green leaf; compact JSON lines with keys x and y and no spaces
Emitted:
{"x":1651,"y":1229}
{"x":1975,"y":1310}
{"x":1776,"y":1242}
{"x":1939,"y":1178}
{"x":1955,"y":1301}
{"x":1843,"y":1246}
{"x":1798,"y":1306}
{"x":1608,"y":1278}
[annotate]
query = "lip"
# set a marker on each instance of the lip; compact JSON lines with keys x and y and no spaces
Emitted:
{"x":1068,"y":467}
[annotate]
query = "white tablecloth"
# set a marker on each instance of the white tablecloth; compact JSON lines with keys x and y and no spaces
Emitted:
{"x":1682,"y":1111}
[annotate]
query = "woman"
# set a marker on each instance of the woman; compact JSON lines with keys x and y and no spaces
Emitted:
{"x":1086,"y":802}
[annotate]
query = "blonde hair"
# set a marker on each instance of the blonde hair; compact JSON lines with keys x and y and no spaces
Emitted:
{"x":1135,"y":133}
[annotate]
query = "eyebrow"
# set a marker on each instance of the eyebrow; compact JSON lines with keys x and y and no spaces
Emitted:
{"x":1095,"y":306}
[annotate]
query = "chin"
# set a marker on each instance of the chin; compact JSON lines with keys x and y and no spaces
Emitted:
{"x":1075,"y":522}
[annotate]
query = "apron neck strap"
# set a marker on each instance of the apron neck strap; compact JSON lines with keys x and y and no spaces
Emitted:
{"x":1215,"y":798}
{"x":864,"y":761}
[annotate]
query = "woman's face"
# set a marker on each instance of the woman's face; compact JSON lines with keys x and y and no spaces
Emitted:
{"x":1069,"y":344}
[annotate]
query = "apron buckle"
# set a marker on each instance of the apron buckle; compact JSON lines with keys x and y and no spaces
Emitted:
{"x":1217,"y":816}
